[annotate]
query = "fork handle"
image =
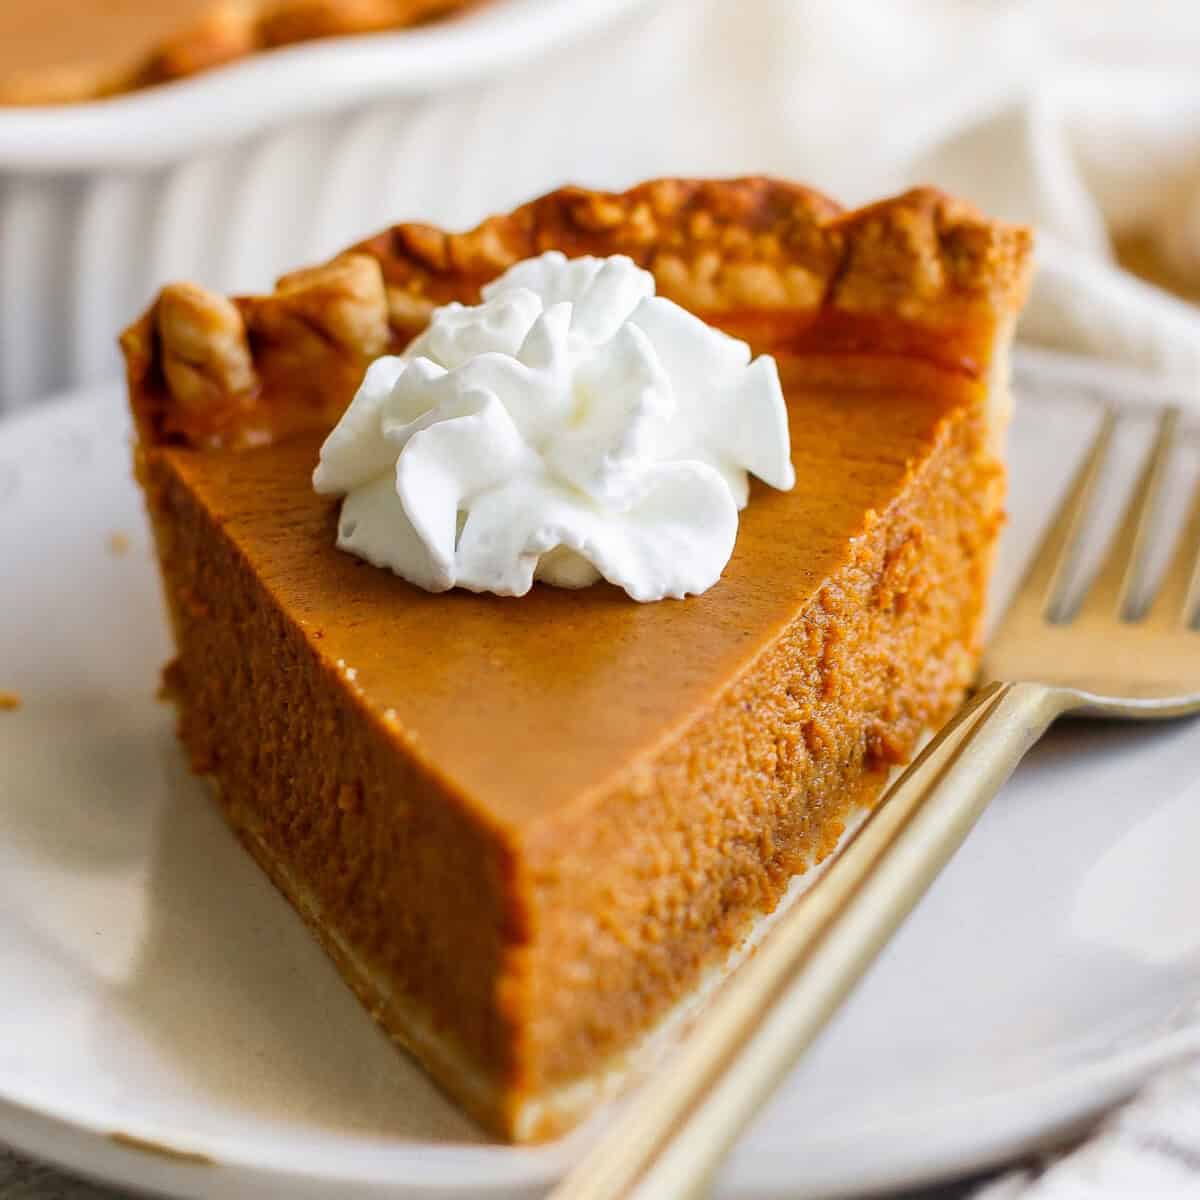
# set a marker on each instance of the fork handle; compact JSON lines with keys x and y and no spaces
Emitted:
{"x":678,"y":1128}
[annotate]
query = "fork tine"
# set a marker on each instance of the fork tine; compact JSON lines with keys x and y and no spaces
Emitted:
{"x":1179,"y":596}
{"x":1039,"y":590}
{"x":1111,"y":592}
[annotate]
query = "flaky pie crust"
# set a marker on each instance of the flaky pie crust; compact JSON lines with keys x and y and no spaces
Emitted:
{"x":921,"y":274}
{"x":224,"y":32}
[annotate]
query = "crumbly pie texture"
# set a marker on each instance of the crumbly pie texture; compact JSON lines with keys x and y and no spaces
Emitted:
{"x":222,"y":32}
{"x":776,"y":262}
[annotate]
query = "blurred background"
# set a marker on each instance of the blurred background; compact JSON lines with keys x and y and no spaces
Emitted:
{"x":1082,"y":116}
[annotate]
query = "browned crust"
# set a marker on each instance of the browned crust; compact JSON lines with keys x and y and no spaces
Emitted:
{"x":784,"y":266}
{"x":226,"y":31}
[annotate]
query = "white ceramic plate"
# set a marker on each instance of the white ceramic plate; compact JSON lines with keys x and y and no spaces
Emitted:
{"x":168,"y":1024}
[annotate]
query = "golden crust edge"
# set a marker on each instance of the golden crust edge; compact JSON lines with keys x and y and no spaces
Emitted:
{"x":780,"y":251}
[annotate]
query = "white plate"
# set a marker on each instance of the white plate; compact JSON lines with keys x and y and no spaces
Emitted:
{"x":155,"y":990}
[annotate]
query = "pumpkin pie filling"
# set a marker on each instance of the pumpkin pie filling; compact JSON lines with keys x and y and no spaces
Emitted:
{"x":63,"y":51}
{"x":526,"y":829}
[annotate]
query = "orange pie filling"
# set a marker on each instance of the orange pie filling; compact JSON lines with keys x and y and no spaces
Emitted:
{"x":67,"y":51}
{"x":527,"y":829}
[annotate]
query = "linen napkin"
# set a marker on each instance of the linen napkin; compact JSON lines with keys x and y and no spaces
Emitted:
{"x":1148,"y":1150}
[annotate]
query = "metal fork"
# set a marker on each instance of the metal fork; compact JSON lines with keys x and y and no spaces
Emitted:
{"x":1107,"y":658}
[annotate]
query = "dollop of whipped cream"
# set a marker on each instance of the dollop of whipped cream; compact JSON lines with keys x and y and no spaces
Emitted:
{"x":573,"y":426}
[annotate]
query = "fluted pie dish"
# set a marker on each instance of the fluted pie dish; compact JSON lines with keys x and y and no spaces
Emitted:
{"x":528,"y":829}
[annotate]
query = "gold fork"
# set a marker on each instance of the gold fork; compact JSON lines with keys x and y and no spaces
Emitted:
{"x":1105,"y":659}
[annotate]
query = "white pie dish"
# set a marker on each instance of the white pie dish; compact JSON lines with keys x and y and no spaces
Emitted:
{"x":231,"y":177}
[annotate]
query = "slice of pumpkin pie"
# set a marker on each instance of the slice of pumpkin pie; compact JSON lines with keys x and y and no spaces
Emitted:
{"x":547,"y":596}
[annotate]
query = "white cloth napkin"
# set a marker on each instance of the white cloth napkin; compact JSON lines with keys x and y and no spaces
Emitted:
{"x":1148,"y":1150}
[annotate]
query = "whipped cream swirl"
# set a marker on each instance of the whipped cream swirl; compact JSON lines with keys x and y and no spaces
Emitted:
{"x":572,"y":427}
